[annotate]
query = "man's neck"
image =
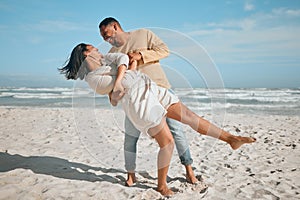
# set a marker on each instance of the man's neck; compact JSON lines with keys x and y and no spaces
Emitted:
{"x":123,"y":38}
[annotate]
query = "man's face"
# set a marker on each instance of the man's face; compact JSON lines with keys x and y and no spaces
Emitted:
{"x":108,"y":33}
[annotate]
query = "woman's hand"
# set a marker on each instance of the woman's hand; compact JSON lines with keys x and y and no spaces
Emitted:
{"x":117,"y":93}
{"x":119,"y":87}
{"x":112,"y":99}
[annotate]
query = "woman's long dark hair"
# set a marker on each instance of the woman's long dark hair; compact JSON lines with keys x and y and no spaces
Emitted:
{"x":72,"y":65}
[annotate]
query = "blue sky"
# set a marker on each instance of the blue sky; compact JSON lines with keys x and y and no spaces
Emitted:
{"x":253,"y":43}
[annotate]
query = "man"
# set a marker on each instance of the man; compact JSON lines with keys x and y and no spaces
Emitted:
{"x":147,"y":49}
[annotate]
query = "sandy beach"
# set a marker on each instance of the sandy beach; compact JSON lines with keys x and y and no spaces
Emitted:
{"x":49,"y":153}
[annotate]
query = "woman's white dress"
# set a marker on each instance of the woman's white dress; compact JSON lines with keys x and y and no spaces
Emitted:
{"x":144,"y":103}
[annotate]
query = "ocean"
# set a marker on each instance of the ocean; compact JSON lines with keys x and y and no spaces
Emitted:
{"x":202,"y":100}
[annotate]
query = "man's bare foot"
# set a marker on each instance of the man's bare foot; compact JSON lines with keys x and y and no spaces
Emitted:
{"x":190,"y":176}
{"x":165,"y":191}
{"x":238,"y":141}
{"x":130,"y":179}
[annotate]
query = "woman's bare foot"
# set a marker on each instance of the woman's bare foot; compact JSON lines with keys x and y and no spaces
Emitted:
{"x":238,"y":141}
{"x":130,"y":179}
{"x":165,"y":191}
{"x":190,"y":176}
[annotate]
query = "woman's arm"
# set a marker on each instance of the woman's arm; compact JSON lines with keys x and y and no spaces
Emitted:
{"x":118,"y":84}
{"x":132,"y":65}
{"x":121,"y":62}
{"x":118,"y":91}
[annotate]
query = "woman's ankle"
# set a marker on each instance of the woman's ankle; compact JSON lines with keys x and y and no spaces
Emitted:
{"x":165,"y":191}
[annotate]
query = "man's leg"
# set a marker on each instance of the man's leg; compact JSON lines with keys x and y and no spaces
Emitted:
{"x":131,"y":137}
{"x":183,"y":149}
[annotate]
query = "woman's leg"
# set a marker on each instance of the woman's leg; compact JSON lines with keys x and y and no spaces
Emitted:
{"x":165,"y":141}
{"x":182,"y":147}
{"x":180,"y":112}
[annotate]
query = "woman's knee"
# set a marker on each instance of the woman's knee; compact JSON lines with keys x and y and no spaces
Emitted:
{"x":164,"y":138}
{"x":169,"y":143}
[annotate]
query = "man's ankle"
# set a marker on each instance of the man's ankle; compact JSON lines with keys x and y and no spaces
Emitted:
{"x":130,"y":179}
{"x":131,"y":173}
{"x":190,"y":176}
{"x":189,"y":169}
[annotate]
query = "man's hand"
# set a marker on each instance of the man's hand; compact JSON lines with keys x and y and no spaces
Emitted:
{"x":134,"y":56}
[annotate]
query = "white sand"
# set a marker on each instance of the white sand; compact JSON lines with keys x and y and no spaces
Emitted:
{"x":46,"y":154}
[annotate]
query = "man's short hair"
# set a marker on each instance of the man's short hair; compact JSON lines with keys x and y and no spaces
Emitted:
{"x":108,"y":21}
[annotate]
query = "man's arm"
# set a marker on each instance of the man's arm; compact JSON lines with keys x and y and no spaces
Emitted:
{"x":157,"y":49}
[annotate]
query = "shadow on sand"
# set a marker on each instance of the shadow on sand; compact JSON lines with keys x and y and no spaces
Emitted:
{"x":60,"y":168}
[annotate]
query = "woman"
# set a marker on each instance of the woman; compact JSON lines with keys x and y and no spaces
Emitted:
{"x":145,"y":103}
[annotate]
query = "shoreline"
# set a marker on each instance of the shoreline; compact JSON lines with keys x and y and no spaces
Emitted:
{"x":45,"y":153}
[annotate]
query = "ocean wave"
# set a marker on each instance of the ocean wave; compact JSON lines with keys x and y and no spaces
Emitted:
{"x":45,"y":93}
{"x":34,"y":95}
{"x":55,"y":89}
{"x":199,"y":99}
{"x":251,"y":96}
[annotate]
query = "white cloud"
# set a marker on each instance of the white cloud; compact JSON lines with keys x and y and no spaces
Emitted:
{"x":269,"y":38}
{"x":55,"y":26}
{"x":249,"y":6}
{"x":287,"y":12}
{"x":244,"y":24}
{"x":247,"y":24}
{"x":35,"y":40}
{"x":236,"y":46}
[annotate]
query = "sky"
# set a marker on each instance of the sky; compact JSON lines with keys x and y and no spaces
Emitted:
{"x":249,"y":43}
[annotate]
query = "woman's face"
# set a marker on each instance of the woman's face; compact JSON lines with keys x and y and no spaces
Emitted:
{"x":89,"y":49}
